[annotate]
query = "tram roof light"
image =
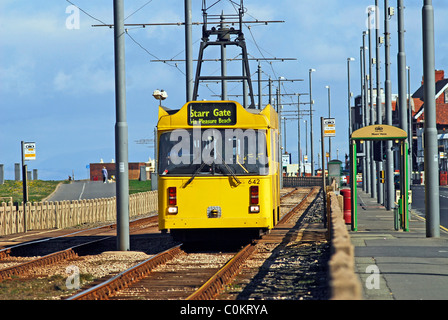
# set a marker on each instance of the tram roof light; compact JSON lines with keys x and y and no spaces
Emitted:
{"x":160,"y":94}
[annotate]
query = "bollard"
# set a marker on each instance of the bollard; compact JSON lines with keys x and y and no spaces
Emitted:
{"x":347,"y":194}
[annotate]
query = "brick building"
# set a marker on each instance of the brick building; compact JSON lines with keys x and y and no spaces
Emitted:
{"x":418,"y":120}
{"x":96,"y":174}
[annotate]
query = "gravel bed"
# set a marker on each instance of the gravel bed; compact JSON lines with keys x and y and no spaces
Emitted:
{"x":293,"y":271}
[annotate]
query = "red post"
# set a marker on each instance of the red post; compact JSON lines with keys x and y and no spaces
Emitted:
{"x":347,"y":194}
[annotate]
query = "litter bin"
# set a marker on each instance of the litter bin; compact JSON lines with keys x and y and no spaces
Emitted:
{"x":347,"y":194}
{"x":334,"y":172}
{"x":443,"y":178}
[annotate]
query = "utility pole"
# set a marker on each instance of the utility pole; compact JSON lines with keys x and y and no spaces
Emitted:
{"x":260,"y":93}
{"x":311,"y":124}
{"x":402,"y":92}
{"x":372,"y":113}
{"x":188,"y":50}
{"x":329,"y":116}
{"x":432,"y":205}
{"x":389,"y":203}
{"x":366,"y":110}
{"x":379,"y":102}
{"x":121,"y":130}
{"x":363,"y":120}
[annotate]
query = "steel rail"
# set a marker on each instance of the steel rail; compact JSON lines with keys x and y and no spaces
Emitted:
{"x":212,"y":288}
{"x":103,"y":290}
{"x":209,"y":290}
{"x":5,"y":252}
{"x":298,"y":207}
{"x":58,"y":256}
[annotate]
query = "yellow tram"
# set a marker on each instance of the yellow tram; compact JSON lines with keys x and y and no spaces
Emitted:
{"x":218,"y":170}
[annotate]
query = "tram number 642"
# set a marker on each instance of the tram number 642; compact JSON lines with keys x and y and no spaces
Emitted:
{"x":254,"y":181}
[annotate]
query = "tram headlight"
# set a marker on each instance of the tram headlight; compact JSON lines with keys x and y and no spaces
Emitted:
{"x":254,"y":209}
{"x":172,"y":210}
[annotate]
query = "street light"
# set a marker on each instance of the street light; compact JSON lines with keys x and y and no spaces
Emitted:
{"x":329,"y":116}
{"x":160,"y":95}
{"x":311,"y":123}
{"x":349,"y":97}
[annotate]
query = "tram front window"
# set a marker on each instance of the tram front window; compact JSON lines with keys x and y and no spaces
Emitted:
{"x":213,"y":152}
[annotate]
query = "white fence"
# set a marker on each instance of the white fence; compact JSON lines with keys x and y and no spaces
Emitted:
{"x":64,"y":214}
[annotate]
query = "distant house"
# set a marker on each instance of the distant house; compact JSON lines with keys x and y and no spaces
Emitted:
{"x":418,"y":118}
{"x":134,"y":170}
{"x":441,"y":103}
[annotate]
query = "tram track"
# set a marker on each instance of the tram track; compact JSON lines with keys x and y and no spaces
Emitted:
{"x":190,"y":274}
{"x":78,"y":243}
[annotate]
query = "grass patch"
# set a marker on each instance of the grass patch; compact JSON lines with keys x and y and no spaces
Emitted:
{"x":37,"y":189}
{"x":136,"y":186}
{"x":46,"y":288}
{"x":40,"y":189}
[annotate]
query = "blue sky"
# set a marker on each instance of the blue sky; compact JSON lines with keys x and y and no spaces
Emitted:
{"x":57,"y":84}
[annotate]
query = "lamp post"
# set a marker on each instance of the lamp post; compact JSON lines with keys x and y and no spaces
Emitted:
{"x":160,"y":95}
{"x":432,"y":200}
{"x":311,"y":122}
{"x":389,"y":203}
{"x":121,"y":130}
{"x":329,"y":116}
{"x":349,"y":97}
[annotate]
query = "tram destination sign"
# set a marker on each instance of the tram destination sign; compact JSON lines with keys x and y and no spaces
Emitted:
{"x":211,"y":114}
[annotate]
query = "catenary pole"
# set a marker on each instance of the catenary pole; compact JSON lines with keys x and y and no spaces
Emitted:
{"x":188,"y":51}
{"x":389,"y":203}
{"x":372,"y":111}
{"x":121,"y":130}
{"x":432,"y":205}
{"x":402,"y":91}
{"x":379,"y":102}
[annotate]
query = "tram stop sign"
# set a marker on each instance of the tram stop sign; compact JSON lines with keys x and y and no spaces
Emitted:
{"x":29,"y":151}
{"x":329,"y":127}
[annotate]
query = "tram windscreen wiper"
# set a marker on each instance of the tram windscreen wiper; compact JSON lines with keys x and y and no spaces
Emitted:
{"x":228,"y":168}
{"x":195,"y":174}
{"x":231,"y":172}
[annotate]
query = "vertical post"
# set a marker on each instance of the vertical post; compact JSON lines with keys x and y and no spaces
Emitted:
{"x":366,"y":117}
{"x":402,"y":92}
{"x":121,"y":130}
{"x":410,"y":131}
{"x":324,"y":185}
{"x":372,"y":113}
{"x":329,"y":116}
{"x":379,"y":102}
{"x":404,"y":186}
{"x":188,"y":51}
{"x":363,"y":108}
{"x":270,"y":91}
{"x":223,"y":62}
{"x":24,"y":184}
{"x":260,"y":93}
{"x":353,"y":185}
{"x":388,"y":101}
{"x":24,"y":175}
{"x":299,"y":153}
{"x":311,"y":125}
{"x":432,"y":204}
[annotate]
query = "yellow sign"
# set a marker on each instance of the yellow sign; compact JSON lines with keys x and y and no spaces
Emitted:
{"x":29,"y":150}
{"x":379,"y":132}
{"x":329,"y":127}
